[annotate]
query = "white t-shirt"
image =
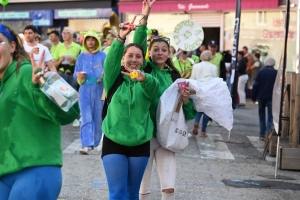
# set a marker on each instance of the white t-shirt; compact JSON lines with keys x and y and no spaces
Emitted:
{"x":204,"y":71}
{"x":257,"y":64}
{"x":37,"y":57}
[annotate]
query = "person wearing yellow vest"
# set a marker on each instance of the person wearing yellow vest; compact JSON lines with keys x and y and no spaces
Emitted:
{"x":217,"y":59}
{"x":183,"y":64}
{"x":54,"y":38}
{"x":65,"y":57}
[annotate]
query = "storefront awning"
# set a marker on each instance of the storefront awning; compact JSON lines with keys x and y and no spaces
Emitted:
{"x":196,"y":5}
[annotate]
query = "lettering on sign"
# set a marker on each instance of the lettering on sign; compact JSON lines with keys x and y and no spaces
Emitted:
{"x":271,"y":34}
{"x":198,"y":7}
{"x":181,"y":132}
{"x":181,"y":6}
{"x":188,"y":35}
{"x":236,"y":32}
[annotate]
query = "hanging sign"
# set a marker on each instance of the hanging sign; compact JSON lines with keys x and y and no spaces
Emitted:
{"x":188,"y":35}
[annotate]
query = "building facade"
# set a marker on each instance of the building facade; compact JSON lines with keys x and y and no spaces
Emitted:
{"x":261,"y":27}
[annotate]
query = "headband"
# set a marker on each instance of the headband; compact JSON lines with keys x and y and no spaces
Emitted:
{"x":6,"y":33}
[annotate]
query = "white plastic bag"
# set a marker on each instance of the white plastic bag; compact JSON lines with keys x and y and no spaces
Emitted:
{"x":214,"y":99}
{"x":171,"y":126}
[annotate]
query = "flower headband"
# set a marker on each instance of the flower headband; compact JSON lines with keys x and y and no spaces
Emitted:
{"x":6,"y":33}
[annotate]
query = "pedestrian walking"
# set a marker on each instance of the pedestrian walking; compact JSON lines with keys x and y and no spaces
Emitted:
{"x":89,"y":75}
{"x":30,"y":131}
{"x":203,"y":72}
{"x":243,"y":77}
{"x":262,"y":92}
{"x":127,"y":126}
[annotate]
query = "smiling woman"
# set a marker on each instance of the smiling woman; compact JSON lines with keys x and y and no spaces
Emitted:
{"x":31,"y":145}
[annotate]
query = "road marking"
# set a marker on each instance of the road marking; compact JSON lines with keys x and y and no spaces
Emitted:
{"x":76,"y":145}
{"x":260,"y":146}
{"x":210,"y":149}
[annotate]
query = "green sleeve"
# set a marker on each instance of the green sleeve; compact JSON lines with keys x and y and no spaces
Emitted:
{"x":189,"y":111}
{"x":47,"y":109}
{"x":150,"y":86}
{"x":42,"y":105}
{"x":112,"y":65}
{"x":140,"y":37}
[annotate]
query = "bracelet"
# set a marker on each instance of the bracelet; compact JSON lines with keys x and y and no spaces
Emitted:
{"x":119,"y":37}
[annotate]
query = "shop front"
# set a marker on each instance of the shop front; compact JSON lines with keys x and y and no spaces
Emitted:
{"x":166,"y":14}
{"x":80,"y":15}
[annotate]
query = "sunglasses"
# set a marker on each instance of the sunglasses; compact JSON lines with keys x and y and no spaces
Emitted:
{"x":161,"y":37}
{"x":184,"y":52}
{"x":109,"y":38}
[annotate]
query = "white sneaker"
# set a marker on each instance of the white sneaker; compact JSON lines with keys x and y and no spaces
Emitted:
{"x":76,"y":123}
{"x":85,"y":150}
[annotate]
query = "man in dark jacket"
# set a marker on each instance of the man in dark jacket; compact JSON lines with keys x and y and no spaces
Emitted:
{"x":262,"y":91}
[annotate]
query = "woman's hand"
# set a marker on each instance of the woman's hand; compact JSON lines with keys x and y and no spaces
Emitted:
{"x":185,"y":93}
{"x":126,"y":28}
{"x":147,"y":4}
{"x":141,"y":77}
{"x":80,"y":75}
{"x":37,"y":68}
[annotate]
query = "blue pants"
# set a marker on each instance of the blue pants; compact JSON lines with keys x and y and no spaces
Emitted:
{"x":204,"y":120}
{"x":124,"y":175}
{"x":91,"y":114}
{"x":265,"y":127}
{"x":34,"y":183}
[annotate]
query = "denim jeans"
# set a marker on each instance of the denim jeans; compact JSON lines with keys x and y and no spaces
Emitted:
{"x":264,"y":126}
{"x":204,"y":120}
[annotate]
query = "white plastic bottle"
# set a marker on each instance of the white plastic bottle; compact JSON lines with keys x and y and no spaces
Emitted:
{"x":58,"y":90}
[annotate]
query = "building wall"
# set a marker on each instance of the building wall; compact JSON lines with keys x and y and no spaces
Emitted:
{"x":264,"y":32}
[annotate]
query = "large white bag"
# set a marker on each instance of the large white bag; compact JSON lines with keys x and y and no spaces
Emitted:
{"x":214,"y":99}
{"x":171,"y":126}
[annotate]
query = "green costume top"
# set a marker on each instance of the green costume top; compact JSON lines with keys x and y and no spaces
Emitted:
{"x":128,"y":119}
{"x":195,"y":58}
{"x":30,"y":125}
{"x":217,"y":61}
{"x":53,"y":48}
{"x":184,"y":68}
{"x":164,"y":78}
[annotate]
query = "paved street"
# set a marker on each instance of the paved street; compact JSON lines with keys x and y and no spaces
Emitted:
{"x":202,"y":170}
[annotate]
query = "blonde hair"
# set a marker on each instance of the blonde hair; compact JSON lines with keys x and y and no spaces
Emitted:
{"x":206,"y":55}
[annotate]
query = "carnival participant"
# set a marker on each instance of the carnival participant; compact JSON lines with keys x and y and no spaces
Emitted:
{"x":127,"y":126}
{"x":89,"y":72}
{"x":184,"y":64}
{"x":203,"y":72}
{"x":30,"y":133}
{"x":160,"y":66}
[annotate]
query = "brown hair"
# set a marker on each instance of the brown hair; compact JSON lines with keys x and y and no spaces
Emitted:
{"x":19,"y":54}
{"x":168,"y":62}
{"x":135,"y":45}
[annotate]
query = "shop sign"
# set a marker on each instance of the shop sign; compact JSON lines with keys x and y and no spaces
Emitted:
{"x":15,"y":15}
{"x":192,"y":6}
{"x":188,"y":35}
{"x":42,"y":17}
{"x":82,"y":13}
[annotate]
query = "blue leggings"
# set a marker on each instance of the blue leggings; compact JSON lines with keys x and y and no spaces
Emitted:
{"x":124,"y":175}
{"x":204,"y":120}
{"x":34,"y":183}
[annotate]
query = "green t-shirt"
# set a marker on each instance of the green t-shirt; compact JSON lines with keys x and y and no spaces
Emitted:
{"x":53,"y":48}
{"x":73,"y":50}
{"x":217,"y":61}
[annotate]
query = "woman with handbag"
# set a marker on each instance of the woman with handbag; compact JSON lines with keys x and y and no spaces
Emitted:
{"x":161,"y":67}
{"x":127,"y":126}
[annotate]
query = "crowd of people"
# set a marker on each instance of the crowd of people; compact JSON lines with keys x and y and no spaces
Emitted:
{"x":130,"y":78}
